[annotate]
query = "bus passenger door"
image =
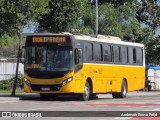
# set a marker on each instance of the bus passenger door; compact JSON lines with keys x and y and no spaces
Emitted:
{"x":77,"y":70}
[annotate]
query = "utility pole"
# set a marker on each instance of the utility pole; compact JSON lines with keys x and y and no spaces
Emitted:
{"x":17,"y":66}
{"x":96,"y":18}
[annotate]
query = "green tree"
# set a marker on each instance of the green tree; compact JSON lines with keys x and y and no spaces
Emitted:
{"x":14,"y":15}
{"x":148,"y":14}
{"x":117,"y":21}
{"x":61,"y":16}
{"x":152,"y":50}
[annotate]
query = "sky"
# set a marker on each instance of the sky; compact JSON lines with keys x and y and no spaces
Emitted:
{"x":28,"y":30}
{"x":158,"y":31}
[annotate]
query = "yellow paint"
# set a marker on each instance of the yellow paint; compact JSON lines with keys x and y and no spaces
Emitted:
{"x":105,"y":79}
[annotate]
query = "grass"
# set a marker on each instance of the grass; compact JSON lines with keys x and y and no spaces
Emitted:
{"x":18,"y":90}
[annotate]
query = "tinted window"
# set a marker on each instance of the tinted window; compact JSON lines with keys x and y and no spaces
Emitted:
{"x":117,"y":53}
{"x":130,"y":51}
{"x":88,"y":51}
{"x":107,"y":53}
{"x":101,"y":52}
{"x":97,"y":52}
{"x":134,"y":55}
{"x":139,"y":56}
{"x":125,"y":55}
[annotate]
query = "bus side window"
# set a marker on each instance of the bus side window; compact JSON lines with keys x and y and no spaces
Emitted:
{"x":107,"y":53}
{"x":130,"y":53}
{"x":134,"y":55}
{"x":78,"y":56}
{"x":139,"y":55}
{"x":116,"y":50}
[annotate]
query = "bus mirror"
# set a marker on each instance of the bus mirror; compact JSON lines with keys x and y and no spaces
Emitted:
{"x":20,"y":56}
{"x":79,"y":53}
{"x":20,"y":53}
{"x":23,"y":47}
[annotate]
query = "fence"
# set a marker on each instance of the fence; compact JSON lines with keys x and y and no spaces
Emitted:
{"x":8,"y":68}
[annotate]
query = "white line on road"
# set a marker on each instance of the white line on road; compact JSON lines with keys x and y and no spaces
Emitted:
{"x":2,"y":102}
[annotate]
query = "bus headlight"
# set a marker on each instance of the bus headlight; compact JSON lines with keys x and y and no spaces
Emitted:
{"x":27,"y":82}
{"x":67,"y":81}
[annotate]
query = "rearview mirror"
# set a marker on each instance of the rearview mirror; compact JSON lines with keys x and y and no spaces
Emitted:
{"x":79,"y":53}
{"x":23,"y":47}
{"x":20,"y":55}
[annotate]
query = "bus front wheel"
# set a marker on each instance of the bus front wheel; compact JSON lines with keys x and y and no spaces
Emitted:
{"x":87,"y":92}
{"x":123,"y":92}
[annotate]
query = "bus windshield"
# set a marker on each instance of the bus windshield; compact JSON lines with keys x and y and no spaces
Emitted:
{"x":49,"y":58}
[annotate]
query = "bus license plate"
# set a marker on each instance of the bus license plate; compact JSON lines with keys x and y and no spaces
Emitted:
{"x":45,"y":89}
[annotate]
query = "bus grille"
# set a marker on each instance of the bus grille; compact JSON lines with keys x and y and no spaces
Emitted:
{"x":47,"y":87}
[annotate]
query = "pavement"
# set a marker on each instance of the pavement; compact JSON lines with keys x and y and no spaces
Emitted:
{"x":8,"y":97}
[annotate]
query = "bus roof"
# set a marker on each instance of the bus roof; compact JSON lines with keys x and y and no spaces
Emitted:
{"x":99,"y":38}
{"x":106,"y":39}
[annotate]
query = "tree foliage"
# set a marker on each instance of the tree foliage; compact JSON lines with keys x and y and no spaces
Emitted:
{"x":61,"y":16}
{"x":152,"y":50}
{"x":148,"y":12}
{"x":15,"y":14}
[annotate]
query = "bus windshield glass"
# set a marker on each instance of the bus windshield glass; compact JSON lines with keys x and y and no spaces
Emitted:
{"x":49,"y":58}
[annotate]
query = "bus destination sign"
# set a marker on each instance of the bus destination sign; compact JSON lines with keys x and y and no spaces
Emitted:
{"x":48,"y":39}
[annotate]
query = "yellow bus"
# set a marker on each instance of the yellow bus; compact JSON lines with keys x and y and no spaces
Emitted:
{"x":82,"y":65}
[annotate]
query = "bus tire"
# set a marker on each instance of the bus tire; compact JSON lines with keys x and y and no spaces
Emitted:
{"x":123,"y":92}
{"x":87,"y":92}
{"x":93,"y":96}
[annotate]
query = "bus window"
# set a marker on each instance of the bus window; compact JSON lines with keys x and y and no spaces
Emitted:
{"x":107,"y":53}
{"x":130,"y":51}
{"x":76,"y":56}
{"x":49,"y":58}
{"x":117,"y":55}
{"x":127,"y":54}
{"x":134,"y":55}
{"x":124,"y":55}
{"x":139,"y":55}
{"x":88,"y":52}
{"x":101,"y":52}
{"x":97,"y":52}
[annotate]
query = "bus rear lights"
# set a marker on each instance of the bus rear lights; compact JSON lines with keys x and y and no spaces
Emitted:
{"x":27,"y":82}
{"x":67,"y":81}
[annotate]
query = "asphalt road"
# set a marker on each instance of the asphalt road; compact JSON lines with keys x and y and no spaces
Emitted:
{"x":104,"y":108}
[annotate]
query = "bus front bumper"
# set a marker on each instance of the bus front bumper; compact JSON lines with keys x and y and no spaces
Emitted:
{"x":56,"y":88}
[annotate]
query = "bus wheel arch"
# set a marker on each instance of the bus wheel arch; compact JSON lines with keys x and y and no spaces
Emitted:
{"x":88,"y":88}
{"x":124,"y":90}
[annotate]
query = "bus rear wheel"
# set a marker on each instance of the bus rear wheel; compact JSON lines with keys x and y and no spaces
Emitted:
{"x":87,"y":92}
{"x":123,"y":92}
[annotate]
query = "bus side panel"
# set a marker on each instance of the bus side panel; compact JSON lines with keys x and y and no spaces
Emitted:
{"x":108,"y":78}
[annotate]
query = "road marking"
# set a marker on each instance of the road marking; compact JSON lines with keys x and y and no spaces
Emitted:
{"x":126,"y":104}
{"x":2,"y":102}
